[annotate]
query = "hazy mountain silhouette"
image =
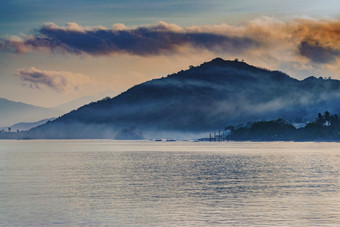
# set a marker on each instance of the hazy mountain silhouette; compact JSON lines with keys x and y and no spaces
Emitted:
{"x":200,"y":99}
{"x":24,"y":116}
{"x":24,"y":126}
{"x":13,"y":112}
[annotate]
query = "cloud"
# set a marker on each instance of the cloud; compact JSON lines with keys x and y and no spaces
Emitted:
{"x":13,"y":44}
{"x":317,"y":41}
{"x":57,"y":80}
{"x":318,"y":53}
{"x":320,"y":40}
{"x":142,"y":41}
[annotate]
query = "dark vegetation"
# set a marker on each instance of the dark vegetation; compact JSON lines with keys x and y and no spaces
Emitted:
{"x":325,"y":127}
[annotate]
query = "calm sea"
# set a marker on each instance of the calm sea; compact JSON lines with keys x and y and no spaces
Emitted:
{"x":144,"y":183}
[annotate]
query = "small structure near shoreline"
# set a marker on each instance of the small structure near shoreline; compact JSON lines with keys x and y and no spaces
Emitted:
{"x":219,"y":136}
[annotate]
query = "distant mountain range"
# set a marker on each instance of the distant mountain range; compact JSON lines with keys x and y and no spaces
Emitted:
{"x":24,"y":126}
{"x":22,"y":116}
{"x":14,"y":112}
{"x":201,"y":99}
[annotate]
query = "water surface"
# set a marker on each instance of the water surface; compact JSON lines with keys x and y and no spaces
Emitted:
{"x":144,"y":183}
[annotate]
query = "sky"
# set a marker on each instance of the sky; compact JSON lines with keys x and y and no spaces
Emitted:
{"x":55,"y":51}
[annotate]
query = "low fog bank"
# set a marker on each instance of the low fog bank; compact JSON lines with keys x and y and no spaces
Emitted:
{"x":52,"y":130}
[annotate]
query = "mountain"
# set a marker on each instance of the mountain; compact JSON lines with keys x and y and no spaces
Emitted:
{"x":201,"y":99}
{"x":13,"y":112}
{"x":24,"y":126}
{"x":29,"y":115}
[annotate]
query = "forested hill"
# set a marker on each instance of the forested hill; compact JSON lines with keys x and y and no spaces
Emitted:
{"x":199,"y":99}
{"x":325,"y":127}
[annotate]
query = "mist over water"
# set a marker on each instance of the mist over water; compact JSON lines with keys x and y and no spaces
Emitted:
{"x":143,"y":183}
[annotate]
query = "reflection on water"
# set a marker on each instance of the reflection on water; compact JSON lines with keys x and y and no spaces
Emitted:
{"x":115,"y":183}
